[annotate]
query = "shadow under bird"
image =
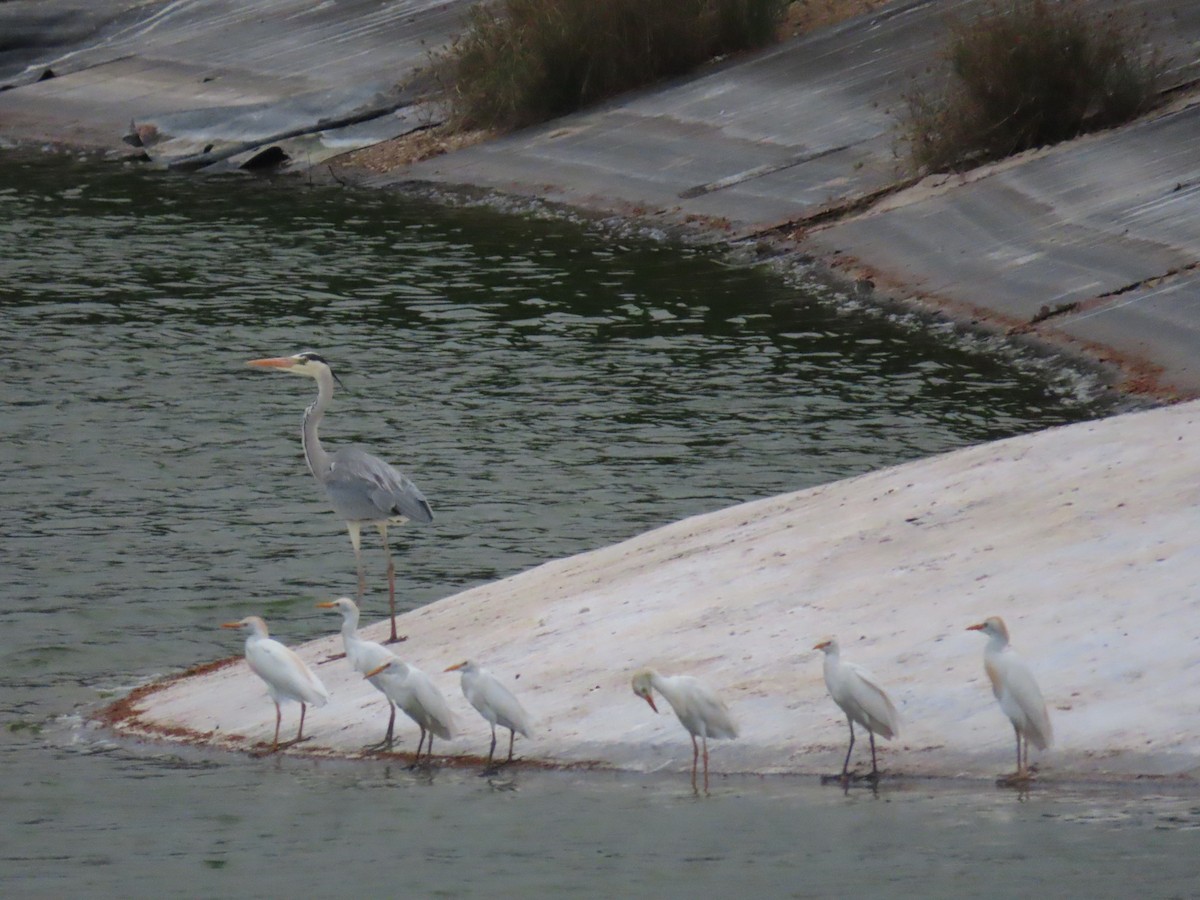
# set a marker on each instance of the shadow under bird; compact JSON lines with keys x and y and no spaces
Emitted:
{"x":364,"y":656}
{"x":861,"y":699}
{"x":286,"y":674}
{"x":495,"y":703}
{"x":1017,"y":690}
{"x":698,"y":707}
{"x":418,"y":698}
{"x":362,"y":488}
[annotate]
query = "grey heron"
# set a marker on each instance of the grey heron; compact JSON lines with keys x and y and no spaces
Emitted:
{"x":363,"y":489}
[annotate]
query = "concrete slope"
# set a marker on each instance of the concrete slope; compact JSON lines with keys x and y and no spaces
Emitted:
{"x":753,"y":142}
{"x":800,"y":142}
{"x":1093,"y":243}
{"x":1081,"y":537}
{"x":217,"y":74}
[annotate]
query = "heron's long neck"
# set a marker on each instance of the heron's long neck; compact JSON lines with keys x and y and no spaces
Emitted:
{"x":314,"y":453}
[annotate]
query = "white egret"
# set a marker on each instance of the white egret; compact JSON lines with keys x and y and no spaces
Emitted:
{"x":419,"y":698}
{"x":699,"y":709}
{"x":1018,"y":692}
{"x":363,"y":655}
{"x":286,"y":675}
{"x":861,"y":699}
{"x":363,"y":489}
{"x":495,"y":703}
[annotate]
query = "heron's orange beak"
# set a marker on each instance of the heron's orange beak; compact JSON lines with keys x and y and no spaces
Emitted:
{"x":979,"y":627}
{"x":377,"y":670}
{"x":650,"y":700}
{"x":821,"y":646}
{"x":329,"y":604}
{"x":455,"y":668}
{"x":275,"y":362}
{"x":231,"y":624}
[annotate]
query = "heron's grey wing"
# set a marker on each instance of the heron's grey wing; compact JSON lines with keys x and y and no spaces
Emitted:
{"x":365,"y":488}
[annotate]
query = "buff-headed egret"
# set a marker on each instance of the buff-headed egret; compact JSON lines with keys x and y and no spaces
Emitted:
{"x":363,"y":489}
{"x":698,"y":707}
{"x":1018,"y":692}
{"x":495,"y":703}
{"x":286,"y":674}
{"x":861,"y":699}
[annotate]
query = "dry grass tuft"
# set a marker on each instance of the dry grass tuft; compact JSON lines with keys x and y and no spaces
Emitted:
{"x":1025,"y":74}
{"x":520,"y":62}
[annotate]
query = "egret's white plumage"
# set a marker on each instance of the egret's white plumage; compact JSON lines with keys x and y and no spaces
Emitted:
{"x":286,"y":674}
{"x":861,"y":699}
{"x":699,"y":709}
{"x":362,"y":488}
{"x":364,"y":656}
{"x":1017,"y":690}
{"x":494,"y":702}
{"x":418,"y":698}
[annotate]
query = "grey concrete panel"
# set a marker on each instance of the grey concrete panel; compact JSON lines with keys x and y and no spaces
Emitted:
{"x":1158,"y":323}
{"x":1079,"y":221}
{"x":223,"y":70}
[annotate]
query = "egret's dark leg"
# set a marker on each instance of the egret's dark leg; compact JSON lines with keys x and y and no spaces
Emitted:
{"x":705,"y":739}
{"x":511,"y":737}
{"x":849,"y":750}
{"x":1020,"y":765}
{"x":490,"y":768}
{"x":695,"y":760}
{"x":874,"y":767}
{"x":300,"y":730}
{"x":387,"y":739}
{"x":278,"y":718}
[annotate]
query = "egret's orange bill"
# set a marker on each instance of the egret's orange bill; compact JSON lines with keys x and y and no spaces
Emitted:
{"x":377,"y":670}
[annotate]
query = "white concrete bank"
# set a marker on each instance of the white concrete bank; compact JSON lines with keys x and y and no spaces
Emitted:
{"x":1083,"y":538}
